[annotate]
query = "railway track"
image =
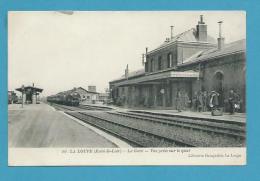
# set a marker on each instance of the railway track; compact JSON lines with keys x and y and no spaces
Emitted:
{"x":226,"y":129}
{"x":65,"y":108}
{"x":144,"y":130}
{"x":81,"y":108}
{"x":133,"y":135}
{"x":94,"y":107}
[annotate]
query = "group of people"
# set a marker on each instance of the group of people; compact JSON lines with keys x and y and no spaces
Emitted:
{"x":203,"y":101}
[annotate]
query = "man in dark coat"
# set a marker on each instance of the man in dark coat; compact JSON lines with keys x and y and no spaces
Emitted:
{"x":200,"y":101}
{"x":233,"y":101}
{"x":194,"y":101}
{"x":205,"y":101}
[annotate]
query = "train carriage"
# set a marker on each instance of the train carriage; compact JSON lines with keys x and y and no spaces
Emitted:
{"x":69,"y":99}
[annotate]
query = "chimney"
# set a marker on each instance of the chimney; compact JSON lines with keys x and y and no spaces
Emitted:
{"x":220,"y":38}
{"x":201,"y":30}
{"x":126,"y":71}
{"x":172,"y":32}
{"x":144,"y":56}
{"x":92,"y":88}
{"x":167,"y":40}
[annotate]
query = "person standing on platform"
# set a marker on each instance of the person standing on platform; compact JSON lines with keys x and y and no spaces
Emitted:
{"x":199,"y":101}
{"x":214,"y":100}
{"x":194,"y":101}
{"x":205,"y":101}
{"x":233,"y":101}
{"x":186,"y":100}
{"x":178,"y":100}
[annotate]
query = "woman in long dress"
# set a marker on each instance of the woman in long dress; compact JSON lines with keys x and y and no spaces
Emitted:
{"x":214,"y":102}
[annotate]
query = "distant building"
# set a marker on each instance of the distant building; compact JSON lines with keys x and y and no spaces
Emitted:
{"x":92,"y":88}
{"x":103,"y":97}
{"x":12,"y":97}
{"x":86,"y":96}
{"x":188,"y":62}
{"x":30,"y":94}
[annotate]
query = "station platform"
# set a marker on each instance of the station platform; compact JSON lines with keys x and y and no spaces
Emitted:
{"x":39,"y":125}
{"x":237,"y":117}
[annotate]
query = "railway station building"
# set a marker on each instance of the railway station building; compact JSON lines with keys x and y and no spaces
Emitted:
{"x":103,"y":97}
{"x":30,"y":94}
{"x":188,"y":63}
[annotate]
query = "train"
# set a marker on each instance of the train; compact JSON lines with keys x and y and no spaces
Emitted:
{"x":68,"y":99}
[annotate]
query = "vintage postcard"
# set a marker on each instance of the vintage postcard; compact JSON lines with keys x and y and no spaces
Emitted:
{"x":126,"y":88}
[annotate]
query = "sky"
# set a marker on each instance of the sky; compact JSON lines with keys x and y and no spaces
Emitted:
{"x":58,"y":51}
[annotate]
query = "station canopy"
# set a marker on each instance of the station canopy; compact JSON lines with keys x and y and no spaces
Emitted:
{"x":29,"y":89}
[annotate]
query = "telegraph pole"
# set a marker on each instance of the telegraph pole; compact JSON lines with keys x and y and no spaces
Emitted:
{"x":22,"y":94}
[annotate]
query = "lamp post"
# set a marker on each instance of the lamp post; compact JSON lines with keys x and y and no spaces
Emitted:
{"x":22,"y":94}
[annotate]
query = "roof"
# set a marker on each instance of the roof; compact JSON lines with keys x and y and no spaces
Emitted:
{"x":87,"y":90}
{"x":131,"y":75}
{"x":104,"y":94}
{"x":75,"y":89}
{"x":28,"y":88}
{"x":186,"y":36}
{"x":231,"y":48}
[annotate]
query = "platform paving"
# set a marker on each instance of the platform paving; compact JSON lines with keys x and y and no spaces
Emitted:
{"x":41,"y":126}
{"x":237,"y":117}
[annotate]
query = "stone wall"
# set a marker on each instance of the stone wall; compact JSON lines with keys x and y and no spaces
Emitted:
{"x":233,"y":69}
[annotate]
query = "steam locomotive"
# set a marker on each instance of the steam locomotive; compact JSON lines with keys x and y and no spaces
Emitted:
{"x":68,"y":99}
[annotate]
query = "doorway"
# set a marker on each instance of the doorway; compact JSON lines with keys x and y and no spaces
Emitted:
{"x":218,"y":85}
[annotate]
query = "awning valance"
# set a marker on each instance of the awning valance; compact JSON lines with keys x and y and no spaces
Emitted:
{"x":159,"y":76}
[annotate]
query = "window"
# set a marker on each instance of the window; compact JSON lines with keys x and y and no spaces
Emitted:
{"x":174,"y":61}
{"x":159,"y":63}
{"x":151,"y":67}
{"x":169,"y":60}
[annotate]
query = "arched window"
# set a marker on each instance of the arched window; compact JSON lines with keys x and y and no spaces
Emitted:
{"x":169,"y":60}
{"x":218,"y":81}
{"x":159,"y":63}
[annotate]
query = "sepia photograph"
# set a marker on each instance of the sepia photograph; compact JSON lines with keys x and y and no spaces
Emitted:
{"x":127,"y":88}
